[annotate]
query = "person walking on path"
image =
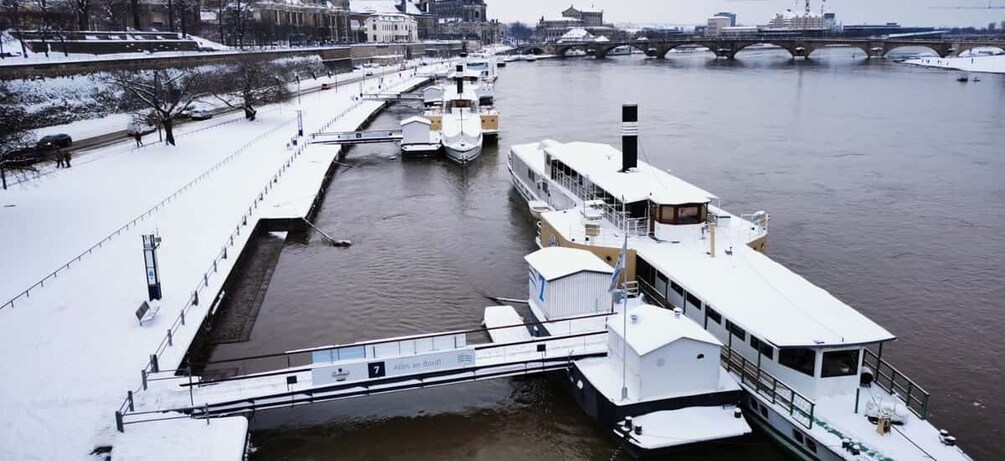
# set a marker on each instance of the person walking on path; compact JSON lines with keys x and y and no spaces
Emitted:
{"x":66,"y":158}
{"x":59,"y":158}
{"x":139,"y":139}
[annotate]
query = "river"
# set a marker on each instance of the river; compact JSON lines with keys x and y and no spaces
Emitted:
{"x":884,"y":184}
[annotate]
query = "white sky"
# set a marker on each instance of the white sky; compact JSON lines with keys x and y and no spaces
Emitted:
{"x":754,"y":12}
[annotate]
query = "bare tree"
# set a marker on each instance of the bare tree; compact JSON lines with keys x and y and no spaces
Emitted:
{"x":14,"y":135}
{"x":238,"y":17}
{"x":81,"y":11}
{"x":111,"y":12}
{"x":167,"y":92}
{"x":13,"y":9}
{"x":43,"y":6}
{"x":250,"y":82}
{"x":134,"y":5}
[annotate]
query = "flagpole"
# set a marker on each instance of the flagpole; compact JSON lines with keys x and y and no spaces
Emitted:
{"x":624,"y":326}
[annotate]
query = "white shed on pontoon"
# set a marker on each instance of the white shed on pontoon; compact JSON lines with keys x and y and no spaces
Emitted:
{"x":667,"y":354}
{"x":415,"y":130}
{"x":567,"y":282}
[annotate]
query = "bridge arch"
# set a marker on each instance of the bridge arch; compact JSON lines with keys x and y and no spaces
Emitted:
{"x":970,"y":46}
{"x":941,"y":53}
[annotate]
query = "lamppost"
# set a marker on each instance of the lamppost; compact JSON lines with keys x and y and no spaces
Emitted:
{"x":300,"y":111}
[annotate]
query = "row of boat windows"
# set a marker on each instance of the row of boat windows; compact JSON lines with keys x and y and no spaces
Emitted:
{"x":588,"y":191}
{"x":803,"y":360}
{"x":797,"y":435}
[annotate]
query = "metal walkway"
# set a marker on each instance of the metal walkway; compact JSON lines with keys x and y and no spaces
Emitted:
{"x":392,"y":97}
{"x":356,"y":137}
{"x":357,"y":370}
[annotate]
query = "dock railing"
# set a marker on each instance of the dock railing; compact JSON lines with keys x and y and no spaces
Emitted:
{"x":897,"y":383}
{"x":797,"y":405}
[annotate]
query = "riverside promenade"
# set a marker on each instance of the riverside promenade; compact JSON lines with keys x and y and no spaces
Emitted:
{"x":72,"y":346}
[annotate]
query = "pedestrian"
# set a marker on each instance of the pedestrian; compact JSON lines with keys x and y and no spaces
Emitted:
{"x":59,"y":159}
{"x":138,"y":136}
{"x":66,"y":158}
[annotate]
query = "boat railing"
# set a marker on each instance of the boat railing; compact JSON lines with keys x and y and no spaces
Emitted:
{"x":797,"y":405}
{"x":893,"y":381}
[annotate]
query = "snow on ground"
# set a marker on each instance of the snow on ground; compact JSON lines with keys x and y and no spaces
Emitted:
{"x":89,"y":128}
{"x":73,"y":347}
{"x":209,"y":44}
{"x":990,"y":64}
{"x":184,"y":439}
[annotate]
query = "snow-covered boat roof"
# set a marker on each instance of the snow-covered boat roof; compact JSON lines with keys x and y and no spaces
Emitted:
{"x":601,"y":164}
{"x":382,"y":6}
{"x":556,"y":262}
{"x":753,"y":291}
{"x":651,"y":327}
{"x":415,"y":119}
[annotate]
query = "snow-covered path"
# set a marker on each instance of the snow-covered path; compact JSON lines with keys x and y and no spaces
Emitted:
{"x":990,"y":64}
{"x":73,"y":347}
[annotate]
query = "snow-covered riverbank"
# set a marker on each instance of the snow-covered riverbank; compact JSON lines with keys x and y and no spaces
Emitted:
{"x":73,"y":346}
{"x":990,"y":64}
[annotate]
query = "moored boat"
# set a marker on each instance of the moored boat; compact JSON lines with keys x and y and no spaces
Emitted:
{"x":811,"y":367}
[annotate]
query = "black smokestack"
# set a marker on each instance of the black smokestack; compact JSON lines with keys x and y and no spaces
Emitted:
{"x":629,"y":136}
{"x":460,"y":79}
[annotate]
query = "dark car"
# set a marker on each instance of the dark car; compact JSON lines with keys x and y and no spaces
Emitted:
{"x":24,"y":157}
{"x":55,"y":140}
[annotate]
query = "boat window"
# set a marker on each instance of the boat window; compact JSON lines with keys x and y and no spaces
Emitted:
{"x":681,"y":214}
{"x":530,"y":175}
{"x":797,"y":435}
{"x":799,"y":359}
{"x":694,"y":301}
{"x":764,"y":348}
{"x":811,"y":445}
{"x":679,"y":289}
{"x":644,"y":271}
{"x":689,"y":215}
{"x":737,"y":331}
{"x":840,"y":363}
{"x":661,"y":284}
{"x":712,"y":314}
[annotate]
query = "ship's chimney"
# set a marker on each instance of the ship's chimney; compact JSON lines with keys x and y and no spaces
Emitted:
{"x":460,"y":79}
{"x":629,"y":136}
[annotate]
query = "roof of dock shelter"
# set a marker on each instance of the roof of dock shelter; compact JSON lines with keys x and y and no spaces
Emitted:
{"x":656,"y":327}
{"x":556,"y":262}
{"x":601,"y":164}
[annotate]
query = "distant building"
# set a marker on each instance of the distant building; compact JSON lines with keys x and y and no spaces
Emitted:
{"x":591,"y":20}
{"x":715,"y":25}
{"x":390,"y":28}
{"x":727,"y":14}
{"x":590,"y":17}
{"x":789,"y":20}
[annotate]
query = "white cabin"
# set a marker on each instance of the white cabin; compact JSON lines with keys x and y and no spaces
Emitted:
{"x":667,"y":353}
{"x":416,"y":130}
{"x":567,"y":282}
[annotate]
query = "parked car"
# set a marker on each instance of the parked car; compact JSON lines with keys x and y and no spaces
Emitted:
{"x":24,"y":157}
{"x":139,"y":126}
{"x":55,"y":140}
{"x":327,"y":86}
{"x":200,"y":114}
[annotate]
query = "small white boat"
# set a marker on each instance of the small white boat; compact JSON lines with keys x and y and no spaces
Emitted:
{"x":530,"y":58}
{"x":537,"y":207}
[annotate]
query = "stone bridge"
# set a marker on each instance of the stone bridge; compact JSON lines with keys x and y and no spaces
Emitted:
{"x":798,"y":47}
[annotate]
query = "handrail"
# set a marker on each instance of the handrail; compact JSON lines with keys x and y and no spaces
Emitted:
{"x":799,"y":407}
{"x":893,"y":381}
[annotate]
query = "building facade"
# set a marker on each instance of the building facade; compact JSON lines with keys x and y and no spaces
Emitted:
{"x":715,"y":25}
{"x":390,"y":28}
{"x":590,"y":17}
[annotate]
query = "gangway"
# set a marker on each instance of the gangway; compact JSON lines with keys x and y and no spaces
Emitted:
{"x":359,"y":370}
{"x":392,"y":97}
{"x":356,"y":137}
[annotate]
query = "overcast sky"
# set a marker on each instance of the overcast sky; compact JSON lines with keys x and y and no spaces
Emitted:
{"x":755,"y":12}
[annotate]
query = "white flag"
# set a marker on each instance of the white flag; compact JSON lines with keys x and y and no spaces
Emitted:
{"x":619,"y":268}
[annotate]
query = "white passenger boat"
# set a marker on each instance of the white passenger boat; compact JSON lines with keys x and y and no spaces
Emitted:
{"x":811,"y":366}
{"x":623,"y":50}
{"x":459,"y":120}
{"x":485,"y":65}
{"x":657,"y":386}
